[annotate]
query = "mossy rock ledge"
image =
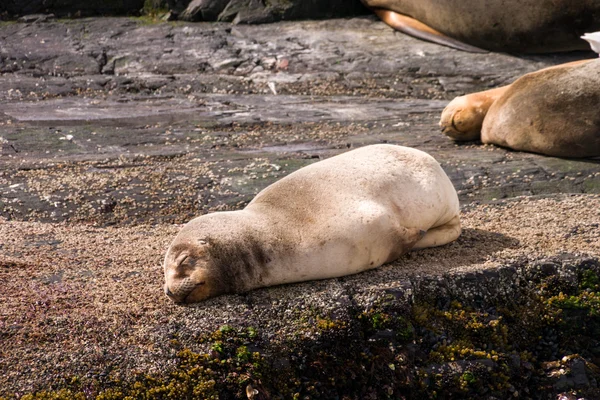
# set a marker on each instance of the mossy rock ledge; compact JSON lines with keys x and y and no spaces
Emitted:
{"x":529,"y":329}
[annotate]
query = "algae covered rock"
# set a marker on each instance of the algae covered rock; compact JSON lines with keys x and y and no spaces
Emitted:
{"x":529,"y":330}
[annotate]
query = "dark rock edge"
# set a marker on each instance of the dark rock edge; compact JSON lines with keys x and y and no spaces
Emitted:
{"x":528,"y":329}
{"x":237,"y":11}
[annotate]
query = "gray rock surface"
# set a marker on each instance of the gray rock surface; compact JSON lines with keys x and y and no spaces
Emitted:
{"x":122,"y":89}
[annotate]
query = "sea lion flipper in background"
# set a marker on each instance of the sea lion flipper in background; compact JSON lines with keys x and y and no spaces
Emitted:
{"x":513,"y":26}
{"x":463,"y":117}
{"x":412,"y":27}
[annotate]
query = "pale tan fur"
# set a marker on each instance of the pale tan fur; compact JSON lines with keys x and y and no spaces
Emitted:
{"x":336,"y":217}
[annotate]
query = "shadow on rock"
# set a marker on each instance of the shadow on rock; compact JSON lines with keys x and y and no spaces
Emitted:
{"x":474,"y":246}
{"x":481,"y":242}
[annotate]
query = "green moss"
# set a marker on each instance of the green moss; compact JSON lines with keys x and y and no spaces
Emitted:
{"x":226,"y":329}
{"x":197,"y":375}
{"x":154,"y":8}
{"x":379,"y":320}
{"x":590,"y":280}
{"x":386,"y":316}
{"x":218,"y":347}
{"x":556,"y":319}
{"x":252,"y":332}
{"x":326,"y":323}
{"x":469,"y":378}
{"x":587,"y":301}
{"x":145,"y":20}
{"x":591,"y":185}
{"x":243,"y":355}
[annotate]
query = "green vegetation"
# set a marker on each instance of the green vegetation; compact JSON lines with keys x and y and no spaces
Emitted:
{"x":154,"y":8}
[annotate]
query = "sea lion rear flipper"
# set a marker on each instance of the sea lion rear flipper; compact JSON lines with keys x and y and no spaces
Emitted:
{"x":440,"y":235}
{"x":417,"y":29}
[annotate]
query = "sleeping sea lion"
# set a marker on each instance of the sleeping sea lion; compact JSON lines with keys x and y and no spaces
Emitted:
{"x":340,"y":216}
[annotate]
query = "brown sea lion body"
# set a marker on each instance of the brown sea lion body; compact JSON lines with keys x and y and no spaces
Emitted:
{"x":555,"y":111}
{"x":523,"y":26}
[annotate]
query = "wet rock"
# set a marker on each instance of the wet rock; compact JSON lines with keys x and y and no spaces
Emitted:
{"x":548,"y":268}
{"x":562,"y":382}
{"x":579,"y":375}
{"x":515,"y":361}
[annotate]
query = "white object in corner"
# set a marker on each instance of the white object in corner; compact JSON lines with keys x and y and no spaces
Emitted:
{"x":594,"y":39}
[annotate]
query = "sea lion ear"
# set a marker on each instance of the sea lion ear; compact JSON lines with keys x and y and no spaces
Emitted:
{"x":203,"y":245}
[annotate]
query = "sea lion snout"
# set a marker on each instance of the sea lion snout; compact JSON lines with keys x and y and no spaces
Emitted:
{"x":185,"y":291}
{"x":176,"y":299}
{"x":186,"y":269}
{"x":463,"y":117}
{"x":178,"y":289}
{"x":182,"y":286}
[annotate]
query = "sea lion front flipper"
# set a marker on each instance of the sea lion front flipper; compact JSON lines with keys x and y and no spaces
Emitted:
{"x":417,"y":29}
{"x":463,"y":117}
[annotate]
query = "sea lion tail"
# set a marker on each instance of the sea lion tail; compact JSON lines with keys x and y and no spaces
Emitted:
{"x":412,"y":27}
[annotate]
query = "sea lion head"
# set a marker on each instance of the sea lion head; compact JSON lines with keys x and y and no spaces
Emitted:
{"x":189,"y":271}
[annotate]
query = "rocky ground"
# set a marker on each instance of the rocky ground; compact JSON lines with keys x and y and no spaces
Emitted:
{"x":114,"y":131}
